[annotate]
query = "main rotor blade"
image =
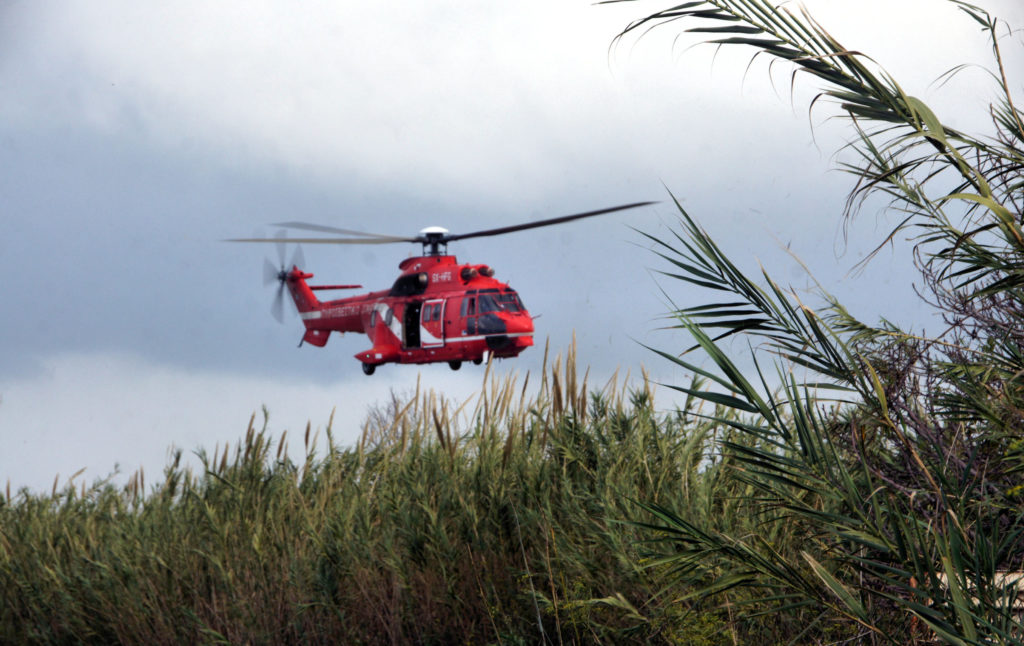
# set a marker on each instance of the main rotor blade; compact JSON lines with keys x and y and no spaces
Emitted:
{"x":327,"y":240}
{"x":543,"y":223}
{"x":320,"y":228}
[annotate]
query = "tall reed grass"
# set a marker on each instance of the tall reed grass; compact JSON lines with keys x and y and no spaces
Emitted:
{"x":500,"y":522}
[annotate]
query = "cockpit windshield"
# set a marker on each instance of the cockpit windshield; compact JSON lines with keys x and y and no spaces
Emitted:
{"x":510,"y":300}
{"x":495,"y":301}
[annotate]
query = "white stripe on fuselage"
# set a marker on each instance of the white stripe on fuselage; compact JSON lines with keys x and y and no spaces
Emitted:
{"x":383,"y":314}
{"x":395,"y":326}
{"x":481,"y":337}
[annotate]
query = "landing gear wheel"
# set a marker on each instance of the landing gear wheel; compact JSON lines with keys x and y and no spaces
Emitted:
{"x":454,"y":365}
{"x":478,"y":361}
{"x":368,"y":368}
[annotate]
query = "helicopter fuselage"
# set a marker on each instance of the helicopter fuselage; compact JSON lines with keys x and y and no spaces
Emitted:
{"x":437,"y":310}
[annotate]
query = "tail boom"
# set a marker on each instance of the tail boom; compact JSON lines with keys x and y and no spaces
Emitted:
{"x":321,"y":318}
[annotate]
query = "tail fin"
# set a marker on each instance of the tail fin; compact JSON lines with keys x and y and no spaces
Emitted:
{"x":305,"y":299}
{"x":309,"y":307}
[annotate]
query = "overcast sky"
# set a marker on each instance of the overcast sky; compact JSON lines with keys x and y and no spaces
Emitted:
{"x":136,"y":136}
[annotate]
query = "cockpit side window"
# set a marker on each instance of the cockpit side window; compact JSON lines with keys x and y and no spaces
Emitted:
{"x":488,"y":303}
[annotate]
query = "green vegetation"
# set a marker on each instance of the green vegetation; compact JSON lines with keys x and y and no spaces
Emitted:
{"x":905,"y":480}
{"x":504,"y":527}
{"x":859,"y":485}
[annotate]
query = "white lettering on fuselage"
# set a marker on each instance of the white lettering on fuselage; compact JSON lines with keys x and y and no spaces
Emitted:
{"x":441,"y":277}
{"x":347,"y":310}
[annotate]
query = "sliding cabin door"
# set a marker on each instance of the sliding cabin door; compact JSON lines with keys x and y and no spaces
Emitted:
{"x":432,"y":324}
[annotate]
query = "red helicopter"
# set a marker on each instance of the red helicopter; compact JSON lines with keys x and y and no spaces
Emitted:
{"x":437,"y":310}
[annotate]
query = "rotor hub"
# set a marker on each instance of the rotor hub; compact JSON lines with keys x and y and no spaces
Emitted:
{"x":435,"y":241}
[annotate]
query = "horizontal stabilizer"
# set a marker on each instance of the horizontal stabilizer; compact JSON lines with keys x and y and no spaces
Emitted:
{"x":335,"y":286}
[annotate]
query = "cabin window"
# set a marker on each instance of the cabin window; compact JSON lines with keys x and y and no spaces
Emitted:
{"x":389,"y":317}
{"x":435,"y":315}
{"x":373,"y":318}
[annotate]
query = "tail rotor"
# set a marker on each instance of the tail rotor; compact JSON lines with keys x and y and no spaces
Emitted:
{"x":279,"y":273}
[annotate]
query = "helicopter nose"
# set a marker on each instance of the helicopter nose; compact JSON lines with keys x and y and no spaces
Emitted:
{"x":520,"y":324}
{"x":520,"y":331}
